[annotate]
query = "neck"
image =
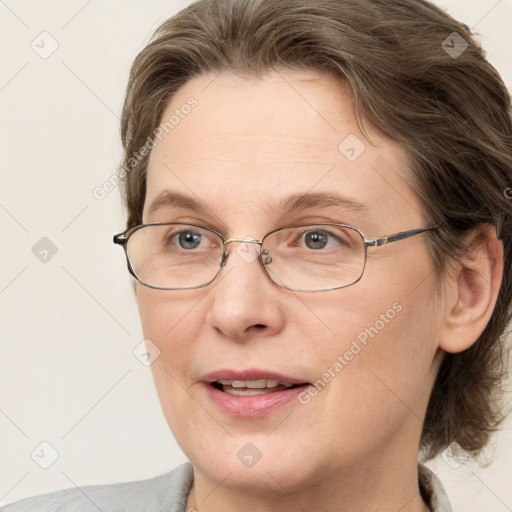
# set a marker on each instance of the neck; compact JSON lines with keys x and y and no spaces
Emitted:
{"x":371,"y":488}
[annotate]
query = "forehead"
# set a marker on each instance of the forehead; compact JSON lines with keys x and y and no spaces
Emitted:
{"x":280,"y":115}
{"x":249,"y":143}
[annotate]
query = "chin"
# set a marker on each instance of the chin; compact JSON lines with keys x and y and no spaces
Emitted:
{"x":255,"y":462}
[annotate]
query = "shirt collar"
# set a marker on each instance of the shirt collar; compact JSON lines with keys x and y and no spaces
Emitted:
{"x":432,"y":490}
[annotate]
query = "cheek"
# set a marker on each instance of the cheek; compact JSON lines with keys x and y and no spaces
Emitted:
{"x":169,"y":317}
{"x":375,"y":369}
{"x":399,"y":353}
{"x":173,"y":323}
{"x":384,"y":376}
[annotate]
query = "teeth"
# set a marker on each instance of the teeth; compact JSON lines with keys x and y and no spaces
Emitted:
{"x":246,"y":392}
{"x":254,"y":384}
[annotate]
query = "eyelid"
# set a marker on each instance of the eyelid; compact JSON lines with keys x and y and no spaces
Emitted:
{"x":197,"y":222}
{"x":331,"y":231}
{"x":206,"y":237}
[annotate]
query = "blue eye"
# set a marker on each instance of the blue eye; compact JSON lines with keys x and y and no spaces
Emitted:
{"x":189,"y":239}
{"x":185,"y":239}
{"x":316,"y":239}
{"x":320,"y":239}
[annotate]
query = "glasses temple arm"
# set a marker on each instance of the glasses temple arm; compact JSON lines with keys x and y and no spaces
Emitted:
{"x":397,"y":236}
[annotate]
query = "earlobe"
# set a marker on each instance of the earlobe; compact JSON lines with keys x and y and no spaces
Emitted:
{"x":475,"y":289}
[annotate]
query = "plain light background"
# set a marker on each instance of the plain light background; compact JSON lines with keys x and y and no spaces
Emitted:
{"x":69,"y":325}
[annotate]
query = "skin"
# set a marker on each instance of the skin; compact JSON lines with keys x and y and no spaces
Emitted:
{"x":354,"y":446}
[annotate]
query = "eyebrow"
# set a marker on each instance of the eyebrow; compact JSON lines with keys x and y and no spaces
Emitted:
{"x":301,"y":201}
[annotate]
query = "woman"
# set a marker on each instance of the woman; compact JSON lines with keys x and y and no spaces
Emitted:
{"x":318,"y":224}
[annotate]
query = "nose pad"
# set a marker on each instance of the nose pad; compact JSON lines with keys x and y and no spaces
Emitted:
{"x":265,"y":258}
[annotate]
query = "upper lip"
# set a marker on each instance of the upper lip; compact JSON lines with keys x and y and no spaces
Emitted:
{"x":249,"y":374}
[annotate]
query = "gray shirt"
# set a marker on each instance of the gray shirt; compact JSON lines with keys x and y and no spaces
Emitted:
{"x":166,"y":493}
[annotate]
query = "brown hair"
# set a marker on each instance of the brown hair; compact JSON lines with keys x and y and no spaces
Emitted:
{"x":451,"y":114}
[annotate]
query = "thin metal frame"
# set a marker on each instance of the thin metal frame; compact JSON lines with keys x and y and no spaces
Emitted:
{"x":123,"y":237}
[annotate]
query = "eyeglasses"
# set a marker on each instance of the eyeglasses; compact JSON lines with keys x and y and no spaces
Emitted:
{"x":306,"y":258}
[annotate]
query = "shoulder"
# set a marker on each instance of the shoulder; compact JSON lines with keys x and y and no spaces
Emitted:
{"x":166,"y":492}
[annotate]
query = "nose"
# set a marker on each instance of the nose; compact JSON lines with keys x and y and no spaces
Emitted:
{"x":246,"y":303}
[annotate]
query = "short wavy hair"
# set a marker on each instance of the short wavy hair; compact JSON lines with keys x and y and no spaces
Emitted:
{"x":414,"y":80}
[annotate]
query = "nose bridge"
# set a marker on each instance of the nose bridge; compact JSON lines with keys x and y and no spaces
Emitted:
{"x":262,"y":255}
{"x":239,"y":240}
{"x":246,"y":240}
{"x":240,"y":301}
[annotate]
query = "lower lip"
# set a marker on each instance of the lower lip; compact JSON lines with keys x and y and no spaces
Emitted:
{"x":252,"y":406}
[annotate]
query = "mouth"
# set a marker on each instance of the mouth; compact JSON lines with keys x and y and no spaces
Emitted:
{"x":252,"y":393}
{"x":252,"y":387}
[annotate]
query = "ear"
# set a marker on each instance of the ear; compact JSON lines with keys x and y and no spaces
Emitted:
{"x":472,"y":289}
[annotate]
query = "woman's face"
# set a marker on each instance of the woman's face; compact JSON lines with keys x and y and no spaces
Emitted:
{"x":240,"y":152}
